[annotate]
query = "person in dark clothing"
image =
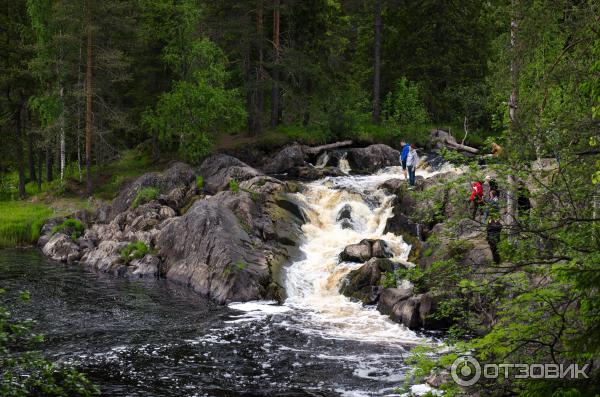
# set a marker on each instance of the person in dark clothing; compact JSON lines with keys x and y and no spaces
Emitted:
{"x":494,"y":227}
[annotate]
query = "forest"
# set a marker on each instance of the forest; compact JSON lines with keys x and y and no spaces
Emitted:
{"x":97,"y":93}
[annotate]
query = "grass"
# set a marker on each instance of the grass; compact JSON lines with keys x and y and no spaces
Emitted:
{"x":135,"y":250}
{"x":71,"y":227}
{"x":20,"y":222}
{"x":145,"y":195}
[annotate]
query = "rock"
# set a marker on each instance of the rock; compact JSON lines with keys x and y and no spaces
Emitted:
{"x":60,"y":247}
{"x":344,"y":217}
{"x":381,"y":250}
{"x":393,"y":185}
{"x":219,"y":169}
{"x":364,"y":283}
{"x":145,"y":267}
{"x":179,"y":175}
{"x":287,"y":159}
{"x":106,"y":257}
{"x":360,"y":252}
{"x":46,"y":230}
{"x":372,"y":158}
{"x":411,"y":310}
{"x":436,"y":379}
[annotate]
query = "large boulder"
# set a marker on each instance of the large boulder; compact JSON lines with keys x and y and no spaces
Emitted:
{"x":46,"y":230}
{"x":219,"y":170}
{"x":365,"y":250}
{"x":61,"y":247}
{"x":364,"y":283}
{"x":286,"y":159}
{"x":231,"y":246}
{"x":179,"y":175}
{"x":372,"y":158}
{"x":414,"y":311}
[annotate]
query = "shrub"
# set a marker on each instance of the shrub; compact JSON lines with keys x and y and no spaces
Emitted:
{"x":145,"y":195}
{"x":71,"y":227}
{"x":135,"y":250}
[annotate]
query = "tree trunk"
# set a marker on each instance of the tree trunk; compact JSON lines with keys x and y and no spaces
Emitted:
{"x":62,"y":138}
{"x":39,"y":174}
{"x":49,"y":176}
{"x":275,"y":87}
{"x":88,"y":99}
{"x":31,"y":157}
{"x":19,"y":149}
{"x":260,"y":95}
{"x":377,"y":65}
{"x":511,"y":197}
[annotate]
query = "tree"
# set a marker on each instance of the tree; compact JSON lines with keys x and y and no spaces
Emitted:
{"x":275,"y":106}
{"x":377,"y":64}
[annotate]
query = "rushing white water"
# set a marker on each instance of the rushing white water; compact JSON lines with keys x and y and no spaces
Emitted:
{"x":312,"y":284}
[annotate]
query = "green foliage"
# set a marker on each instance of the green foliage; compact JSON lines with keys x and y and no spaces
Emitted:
{"x":403,"y":107}
{"x":135,"y":250}
{"x":196,"y":109}
{"x":145,"y":195}
{"x":24,"y":371}
{"x":20,"y":222}
{"x":234,"y":186}
{"x":199,"y":183}
{"x":71,"y":227}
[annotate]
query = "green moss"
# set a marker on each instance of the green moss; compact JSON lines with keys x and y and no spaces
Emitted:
{"x":135,"y":250}
{"x":20,"y":222}
{"x":199,"y":183}
{"x":145,"y":195}
{"x":71,"y":227}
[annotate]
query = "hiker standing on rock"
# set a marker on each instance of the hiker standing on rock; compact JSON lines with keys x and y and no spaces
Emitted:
{"x":412,"y":159}
{"x":404,"y":149}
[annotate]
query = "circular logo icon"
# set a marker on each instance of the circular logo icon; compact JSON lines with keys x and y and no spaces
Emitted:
{"x":465,"y":371}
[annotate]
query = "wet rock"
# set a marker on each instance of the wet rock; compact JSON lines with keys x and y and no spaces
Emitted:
{"x":360,"y":252}
{"x":380,"y":249}
{"x":364,"y":283}
{"x":146,"y":267}
{"x":344,"y":217}
{"x":414,"y":311}
{"x":60,"y":247}
{"x":372,"y":158}
{"x":219,"y":169}
{"x":393,"y":185}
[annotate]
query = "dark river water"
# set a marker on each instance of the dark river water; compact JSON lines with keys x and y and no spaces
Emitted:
{"x":154,"y":338}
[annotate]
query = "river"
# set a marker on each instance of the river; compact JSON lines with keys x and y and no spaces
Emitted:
{"x":155,"y":338}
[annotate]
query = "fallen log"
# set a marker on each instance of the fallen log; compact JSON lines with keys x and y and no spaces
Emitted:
{"x":445,"y":139}
{"x":329,"y":146}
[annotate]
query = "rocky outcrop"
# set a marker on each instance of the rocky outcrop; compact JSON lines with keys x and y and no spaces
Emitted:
{"x":230,"y":246}
{"x":365,"y":250}
{"x":414,"y":311}
{"x":220,"y":169}
{"x":372,"y":158}
{"x":176,"y":184}
{"x":61,"y":247}
{"x":364,"y":283}
{"x":288,"y":158}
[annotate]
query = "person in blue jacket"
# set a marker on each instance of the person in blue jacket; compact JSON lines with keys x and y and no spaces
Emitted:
{"x":404,"y":149}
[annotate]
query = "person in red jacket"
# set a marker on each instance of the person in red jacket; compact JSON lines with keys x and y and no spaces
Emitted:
{"x":476,"y":197}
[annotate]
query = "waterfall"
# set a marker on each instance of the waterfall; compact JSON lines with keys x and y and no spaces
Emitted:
{"x":343,"y":164}
{"x":314,"y":304}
